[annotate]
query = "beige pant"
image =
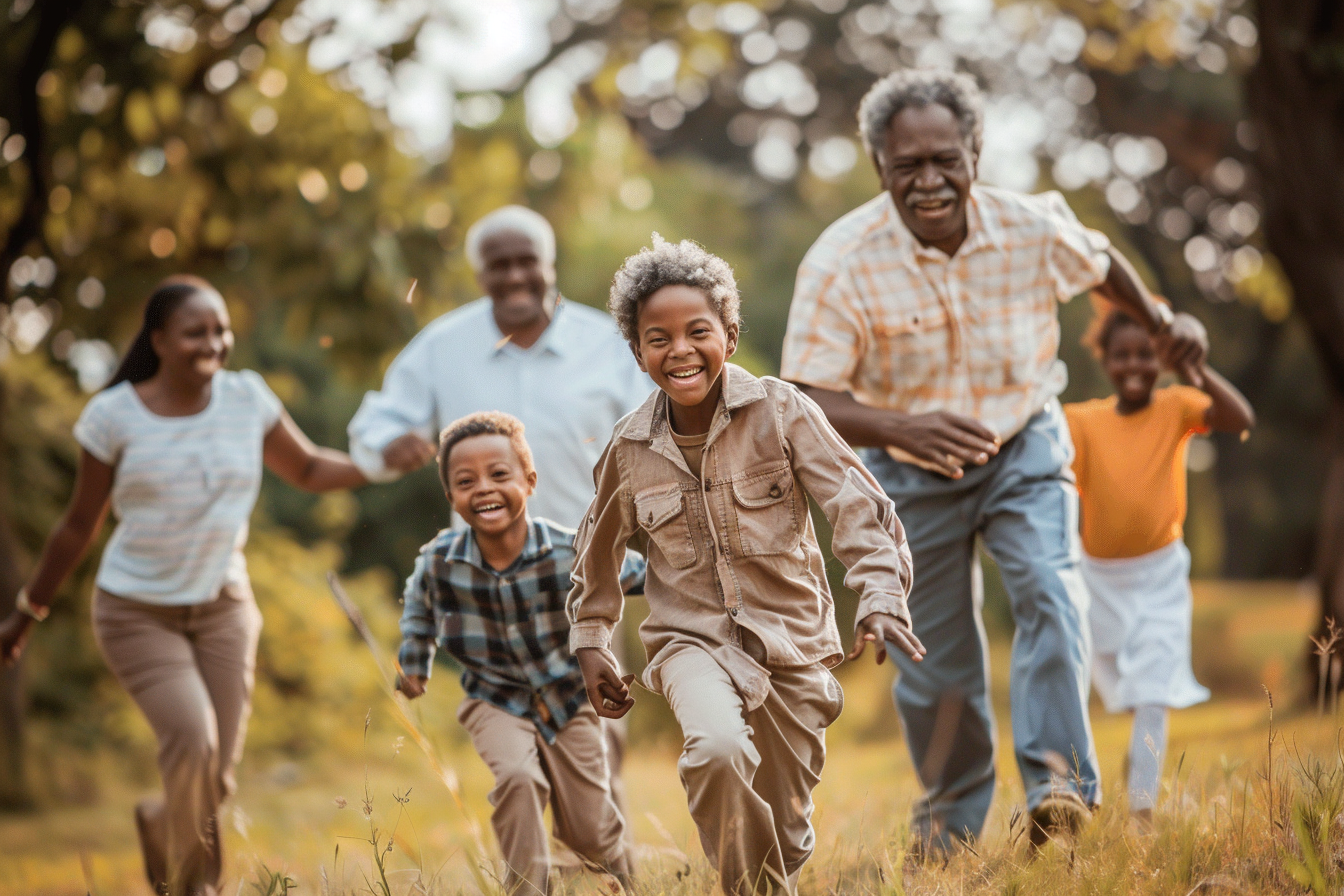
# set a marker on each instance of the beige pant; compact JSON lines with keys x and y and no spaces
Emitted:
{"x":570,"y":775}
{"x":190,"y":670}
{"x":749,"y":775}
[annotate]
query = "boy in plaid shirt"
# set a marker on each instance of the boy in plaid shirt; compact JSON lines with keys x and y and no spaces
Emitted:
{"x":493,"y":596}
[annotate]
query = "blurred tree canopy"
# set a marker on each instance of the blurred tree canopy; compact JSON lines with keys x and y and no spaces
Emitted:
{"x":311,"y":158}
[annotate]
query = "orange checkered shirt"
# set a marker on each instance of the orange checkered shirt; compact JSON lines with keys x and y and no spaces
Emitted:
{"x":902,"y":326}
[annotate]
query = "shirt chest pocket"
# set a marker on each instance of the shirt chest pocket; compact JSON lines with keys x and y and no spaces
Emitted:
{"x":915,"y":346}
{"x":766,"y":517}
{"x":663,"y":514}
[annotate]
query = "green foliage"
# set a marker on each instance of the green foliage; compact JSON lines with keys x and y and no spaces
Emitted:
{"x":273,"y":883}
{"x":312,"y":669}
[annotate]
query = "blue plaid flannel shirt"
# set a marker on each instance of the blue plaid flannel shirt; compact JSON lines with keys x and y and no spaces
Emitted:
{"x":508,"y":629}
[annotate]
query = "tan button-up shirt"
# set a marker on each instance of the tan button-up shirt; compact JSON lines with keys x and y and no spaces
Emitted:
{"x":734,"y":549}
{"x":904,"y":327}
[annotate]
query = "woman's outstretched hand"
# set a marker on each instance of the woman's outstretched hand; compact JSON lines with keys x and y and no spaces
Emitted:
{"x":608,"y":690}
{"x":13,"y":636}
{"x":881,"y":629}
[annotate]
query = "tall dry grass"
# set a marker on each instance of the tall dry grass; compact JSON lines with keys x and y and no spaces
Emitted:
{"x":1250,"y":804}
{"x":1267,"y":818}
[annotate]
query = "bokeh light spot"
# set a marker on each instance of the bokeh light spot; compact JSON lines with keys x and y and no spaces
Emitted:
{"x":636,"y":193}
{"x":354,"y":176}
{"x":162,"y":242}
{"x":438,"y":215}
{"x":313,"y":186}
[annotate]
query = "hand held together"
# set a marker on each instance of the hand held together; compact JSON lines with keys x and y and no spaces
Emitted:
{"x":608,"y":690}
{"x":882,"y":629}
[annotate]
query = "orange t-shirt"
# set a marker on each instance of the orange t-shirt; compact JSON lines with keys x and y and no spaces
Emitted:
{"x":1131,"y":469}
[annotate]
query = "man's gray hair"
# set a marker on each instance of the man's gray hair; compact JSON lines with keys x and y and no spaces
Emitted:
{"x":958,"y":93}
{"x":686,"y":263}
{"x":516,"y":218}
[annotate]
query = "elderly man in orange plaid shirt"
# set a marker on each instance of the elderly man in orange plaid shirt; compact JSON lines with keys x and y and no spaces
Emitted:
{"x":925,"y":324}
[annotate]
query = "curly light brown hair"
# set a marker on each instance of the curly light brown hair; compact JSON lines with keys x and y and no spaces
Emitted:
{"x":686,"y":263}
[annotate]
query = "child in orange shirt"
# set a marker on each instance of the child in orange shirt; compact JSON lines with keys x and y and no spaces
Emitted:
{"x":1130,"y":465}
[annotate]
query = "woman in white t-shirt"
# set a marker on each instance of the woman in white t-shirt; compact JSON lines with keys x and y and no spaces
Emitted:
{"x":175,"y":445}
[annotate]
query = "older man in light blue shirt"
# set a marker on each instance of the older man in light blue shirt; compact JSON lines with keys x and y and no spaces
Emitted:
{"x":560,"y":367}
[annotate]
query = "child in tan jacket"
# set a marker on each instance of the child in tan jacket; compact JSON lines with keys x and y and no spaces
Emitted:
{"x":709,"y":479}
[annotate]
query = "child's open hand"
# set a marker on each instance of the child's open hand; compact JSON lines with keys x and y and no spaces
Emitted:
{"x":608,"y":690}
{"x":412,"y":685}
{"x":881,"y":629}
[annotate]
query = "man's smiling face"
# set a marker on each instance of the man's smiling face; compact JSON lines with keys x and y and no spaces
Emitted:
{"x":517,"y":278}
{"x":927,"y":166}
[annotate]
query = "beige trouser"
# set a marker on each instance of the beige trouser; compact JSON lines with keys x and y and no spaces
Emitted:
{"x":749,"y":775}
{"x":190,"y":670}
{"x":570,"y":774}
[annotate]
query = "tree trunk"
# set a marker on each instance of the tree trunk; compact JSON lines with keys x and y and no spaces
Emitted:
{"x":14,"y":791}
{"x":1296,"y":92}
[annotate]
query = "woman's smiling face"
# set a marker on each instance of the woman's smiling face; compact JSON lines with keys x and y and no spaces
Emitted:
{"x":196,"y":339}
{"x":683,"y":344}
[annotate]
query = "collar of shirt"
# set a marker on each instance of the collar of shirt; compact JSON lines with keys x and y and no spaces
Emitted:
{"x":464,"y":549}
{"x":980,"y":234}
{"x":739,"y":388}
{"x":551,"y":340}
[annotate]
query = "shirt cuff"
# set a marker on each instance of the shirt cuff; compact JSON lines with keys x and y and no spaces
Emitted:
{"x":590,"y":633}
{"x":416,"y":658}
{"x":370,"y":463}
{"x":891,"y":604}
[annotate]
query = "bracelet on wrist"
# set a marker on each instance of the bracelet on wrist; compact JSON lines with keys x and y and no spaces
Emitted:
{"x":24,"y":606}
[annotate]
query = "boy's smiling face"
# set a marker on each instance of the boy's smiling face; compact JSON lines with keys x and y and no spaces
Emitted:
{"x":488,"y":484}
{"x":1131,"y":364}
{"x":683,"y":344}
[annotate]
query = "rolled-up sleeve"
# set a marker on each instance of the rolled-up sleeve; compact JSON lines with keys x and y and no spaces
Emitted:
{"x":868,"y":537}
{"x":417,"y":621}
{"x":826,"y":336}
{"x":1077,"y":257}
{"x":597,"y":595}
{"x":404,"y":404}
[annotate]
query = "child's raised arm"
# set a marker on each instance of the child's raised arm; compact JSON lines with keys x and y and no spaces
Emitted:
{"x":1230,"y":411}
{"x":868,"y":538}
{"x":597,"y":594}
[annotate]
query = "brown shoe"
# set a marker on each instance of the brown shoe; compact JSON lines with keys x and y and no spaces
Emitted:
{"x":1059,"y":814}
{"x":149,"y":827}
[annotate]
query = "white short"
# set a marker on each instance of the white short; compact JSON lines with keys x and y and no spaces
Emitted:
{"x":1141,"y":608}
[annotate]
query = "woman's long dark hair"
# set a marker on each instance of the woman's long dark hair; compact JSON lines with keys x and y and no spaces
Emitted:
{"x":140,"y":361}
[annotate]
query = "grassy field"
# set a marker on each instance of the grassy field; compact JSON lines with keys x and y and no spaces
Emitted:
{"x":1250,"y":805}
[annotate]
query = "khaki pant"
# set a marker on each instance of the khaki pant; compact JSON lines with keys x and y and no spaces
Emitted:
{"x":749,"y":775}
{"x":570,"y":774}
{"x":190,"y":670}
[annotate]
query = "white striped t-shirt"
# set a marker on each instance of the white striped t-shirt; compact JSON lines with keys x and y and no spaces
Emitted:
{"x":183,"y":489}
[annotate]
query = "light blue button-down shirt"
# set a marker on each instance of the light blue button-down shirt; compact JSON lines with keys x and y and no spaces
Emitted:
{"x":569,"y":389}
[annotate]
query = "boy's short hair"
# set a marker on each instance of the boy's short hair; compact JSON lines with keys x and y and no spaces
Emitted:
{"x":686,"y":263}
{"x":1104,"y":327}
{"x":483,"y":423}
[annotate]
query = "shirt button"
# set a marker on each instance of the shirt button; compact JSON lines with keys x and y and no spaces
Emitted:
{"x":707,"y":484}
{"x":775,"y":492}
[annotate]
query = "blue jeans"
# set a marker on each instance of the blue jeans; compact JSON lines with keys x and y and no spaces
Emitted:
{"x":1024,"y":507}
